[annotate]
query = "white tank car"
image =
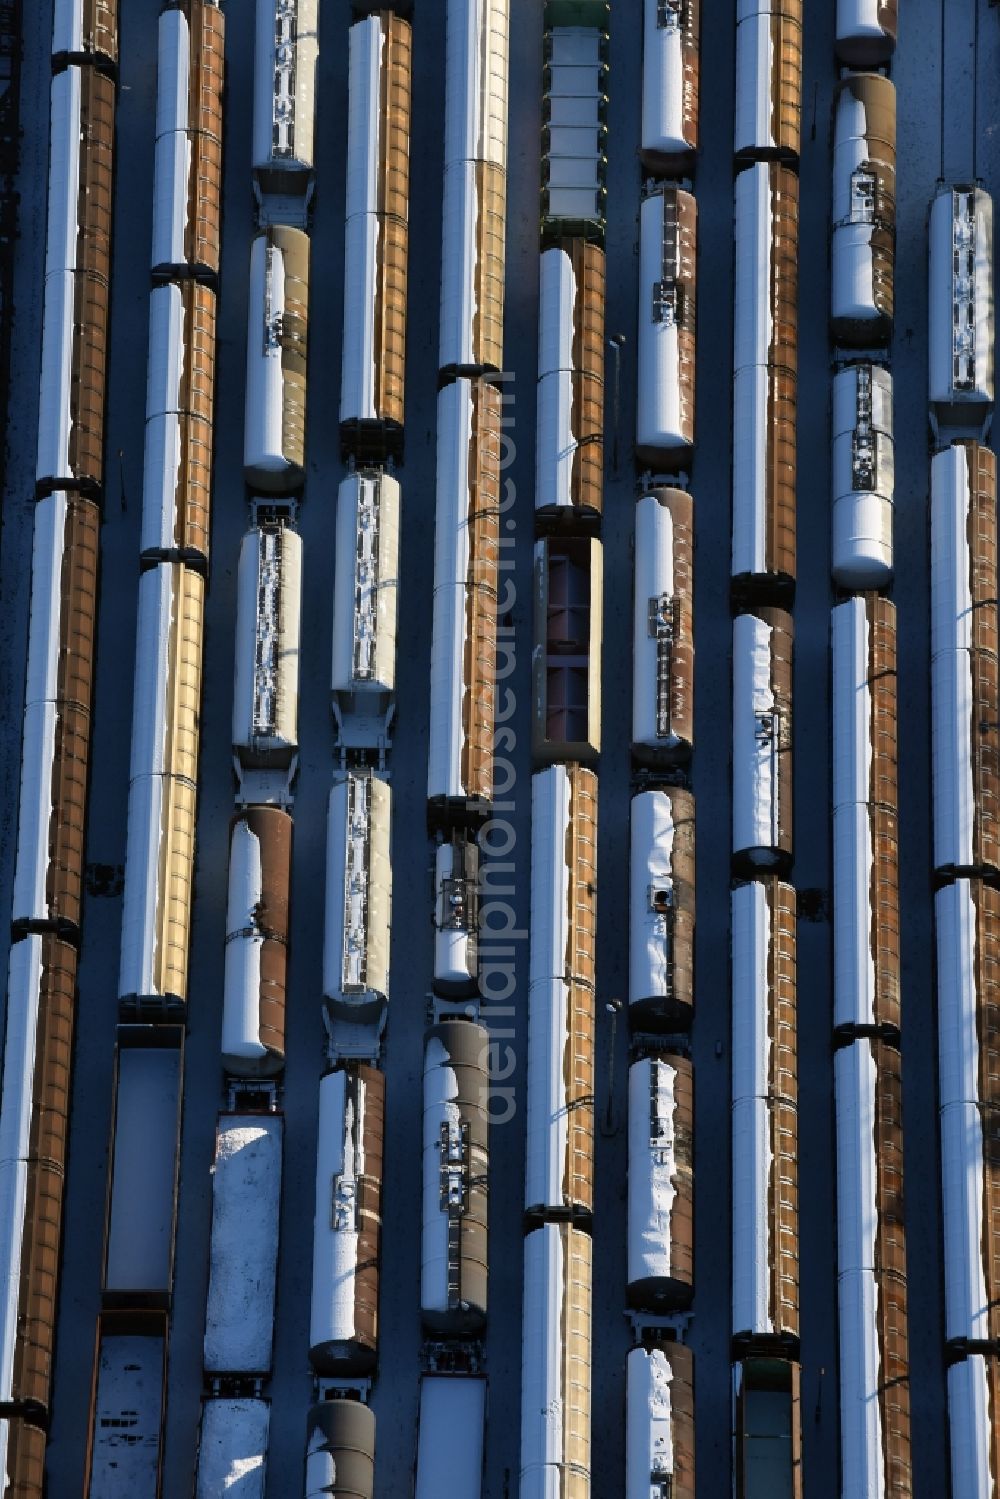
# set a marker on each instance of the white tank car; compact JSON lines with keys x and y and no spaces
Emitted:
{"x":864,"y":486}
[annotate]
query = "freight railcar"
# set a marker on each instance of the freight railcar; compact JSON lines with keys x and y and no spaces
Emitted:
{"x":659,"y":1430}
{"x":564,"y":875}
{"x":566,"y":664}
{"x":974,"y":1425}
{"x":671,"y":39}
{"x":284,"y":96}
{"x":663,"y":628}
{"x":965,"y":677}
{"x":765,"y":1309}
{"x":574,"y":111}
{"x":257,"y":931}
{"x":268,"y":625}
{"x":767,"y":1429}
{"x":277,"y":340}
{"x":22,"y":1458}
{"x":960,"y":352}
{"x":449,"y":1404}
{"x":863,"y":468}
{"x":340,"y":1450}
{"x":358,"y":896}
{"x":967,"y":915}
{"x":144,"y":1156}
{"x":863,"y":232}
{"x":159,"y":859}
{"x":187,"y":171}
{"x":866,"y":32}
{"x":343,"y":1325}
{"x":765,"y":361}
{"x":128,"y":1394}
{"x":48,"y":873}
{"x":85,"y":31}
{"x":246,"y":1200}
{"x":476,"y":67}
{"x":454,"y":1263}
{"x":180,"y":395}
{"x":768,"y":79}
{"x":463,"y":641}
{"x":232,"y":1446}
{"x":871,"y":1263}
{"x":472,"y":267}
{"x":365,"y":608}
{"x":456,"y":916}
{"x":762,"y":740}
{"x":34,"y":1121}
{"x":376,"y":237}
{"x":662,"y":910}
{"x":556,"y":1362}
{"x":866,"y":954}
{"x":77,"y":273}
{"x":661,"y":1183}
{"x":668,"y":234}
{"x":569,"y":439}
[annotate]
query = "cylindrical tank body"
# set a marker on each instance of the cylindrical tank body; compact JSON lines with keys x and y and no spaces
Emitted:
{"x":71,"y":387}
{"x":284,"y":94}
{"x":81,"y":125}
{"x":569,"y":440}
{"x":563,"y":874}
{"x":668,"y":233}
{"x":268,"y":623}
{"x":661,"y":1183}
{"x":343,"y":1328}
{"x":187,"y":172}
{"x":454,"y":1263}
{"x":659,"y":1430}
{"x":476,"y":64}
{"x":866,"y":32}
{"x":865,"y":827}
{"x":180,"y":391}
{"x":662,"y":910}
{"x":765,"y":360}
{"x":456,"y":916}
{"x":159,"y":860}
{"x":22,"y":1457}
{"x":566,"y":664}
{"x":365,"y":606}
{"x":967,"y":917}
{"x":559,"y":1176}
{"x":253,"y":1004}
{"x":671,"y":39}
{"x":863,"y":224}
{"x":974,"y":1425}
{"x":960,"y":309}
{"x":472,"y":267}
{"x":863,"y":453}
{"x":762,"y":740}
{"x":376,"y":235}
{"x":340,"y":1451}
{"x":87,"y":29}
{"x":556,"y":1362}
{"x":48,"y":873}
{"x":965,"y":679}
{"x":277,"y":338}
{"x":663,"y":638}
{"x":764,"y":1114}
{"x":34,"y":1121}
{"x":871,"y":1262}
{"x":358,"y":896}
{"x":768,"y":78}
{"x":463,"y":642}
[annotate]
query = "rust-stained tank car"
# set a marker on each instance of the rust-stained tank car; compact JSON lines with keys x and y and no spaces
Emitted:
{"x":274,"y":429}
{"x":765,"y":1308}
{"x":866,"y":32}
{"x":671,"y":38}
{"x":865,"y":824}
{"x":187,"y":172}
{"x":768,"y":79}
{"x":85,"y":31}
{"x":569,"y":440}
{"x":556,"y":1362}
{"x":343,"y":1328}
{"x":454,"y":1261}
{"x":668,"y":235}
{"x":257,"y":931}
{"x":340,"y":1450}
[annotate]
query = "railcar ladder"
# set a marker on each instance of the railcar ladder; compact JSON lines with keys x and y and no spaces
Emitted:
{"x":863,"y":437}
{"x":664,"y":615}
